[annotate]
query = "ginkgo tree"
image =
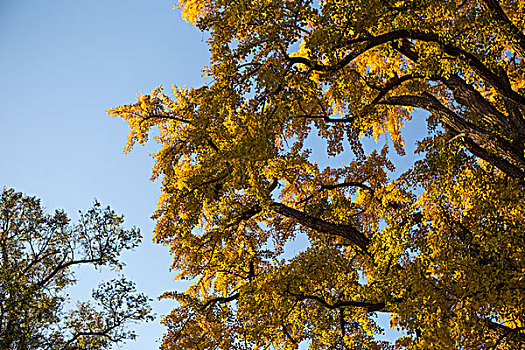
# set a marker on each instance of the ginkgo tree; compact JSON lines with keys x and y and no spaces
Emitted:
{"x":440,"y":247}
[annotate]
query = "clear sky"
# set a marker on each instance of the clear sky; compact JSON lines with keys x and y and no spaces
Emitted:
{"x":63,"y":63}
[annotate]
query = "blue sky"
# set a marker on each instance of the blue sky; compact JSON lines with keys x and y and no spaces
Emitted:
{"x":63,"y":63}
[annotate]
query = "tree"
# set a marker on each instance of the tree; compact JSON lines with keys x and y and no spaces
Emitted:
{"x":38,"y":254}
{"x":439,"y":247}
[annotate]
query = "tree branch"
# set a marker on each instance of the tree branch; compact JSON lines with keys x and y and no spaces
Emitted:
{"x":169,"y":117}
{"x":348,"y":184}
{"x":393,"y":83}
{"x":64,"y":265}
{"x":373,"y":41}
{"x":344,"y":231}
{"x":220,"y":300}
{"x":503,"y":148}
{"x":466,"y":95}
{"x":517,"y":39}
{"x":369,"y":306}
{"x":501,"y":163}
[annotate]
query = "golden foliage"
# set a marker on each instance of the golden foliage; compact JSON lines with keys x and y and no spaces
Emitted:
{"x":440,"y":247}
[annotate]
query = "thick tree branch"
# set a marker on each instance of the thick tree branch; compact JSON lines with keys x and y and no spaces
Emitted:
{"x":503,"y":148}
{"x":406,"y":48}
{"x":472,"y":61}
{"x":505,"y":337}
{"x":466,"y":95}
{"x":369,"y":306}
{"x":348,"y":184}
{"x":517,"y":39}
{"x":220,"y":300}
{"x":288,"y":335}
{"x":327,"y":119}
{"x":63,"y":266}
{"x":501,"y":163}
{"x":344,"y":231}
{"x":392,"y":84}
{"x":163,"y":116}
{"x":102,"y":333}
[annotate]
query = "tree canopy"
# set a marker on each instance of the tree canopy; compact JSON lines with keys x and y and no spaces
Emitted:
{"x":440,"y":247}
{"x":38,"y":254}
